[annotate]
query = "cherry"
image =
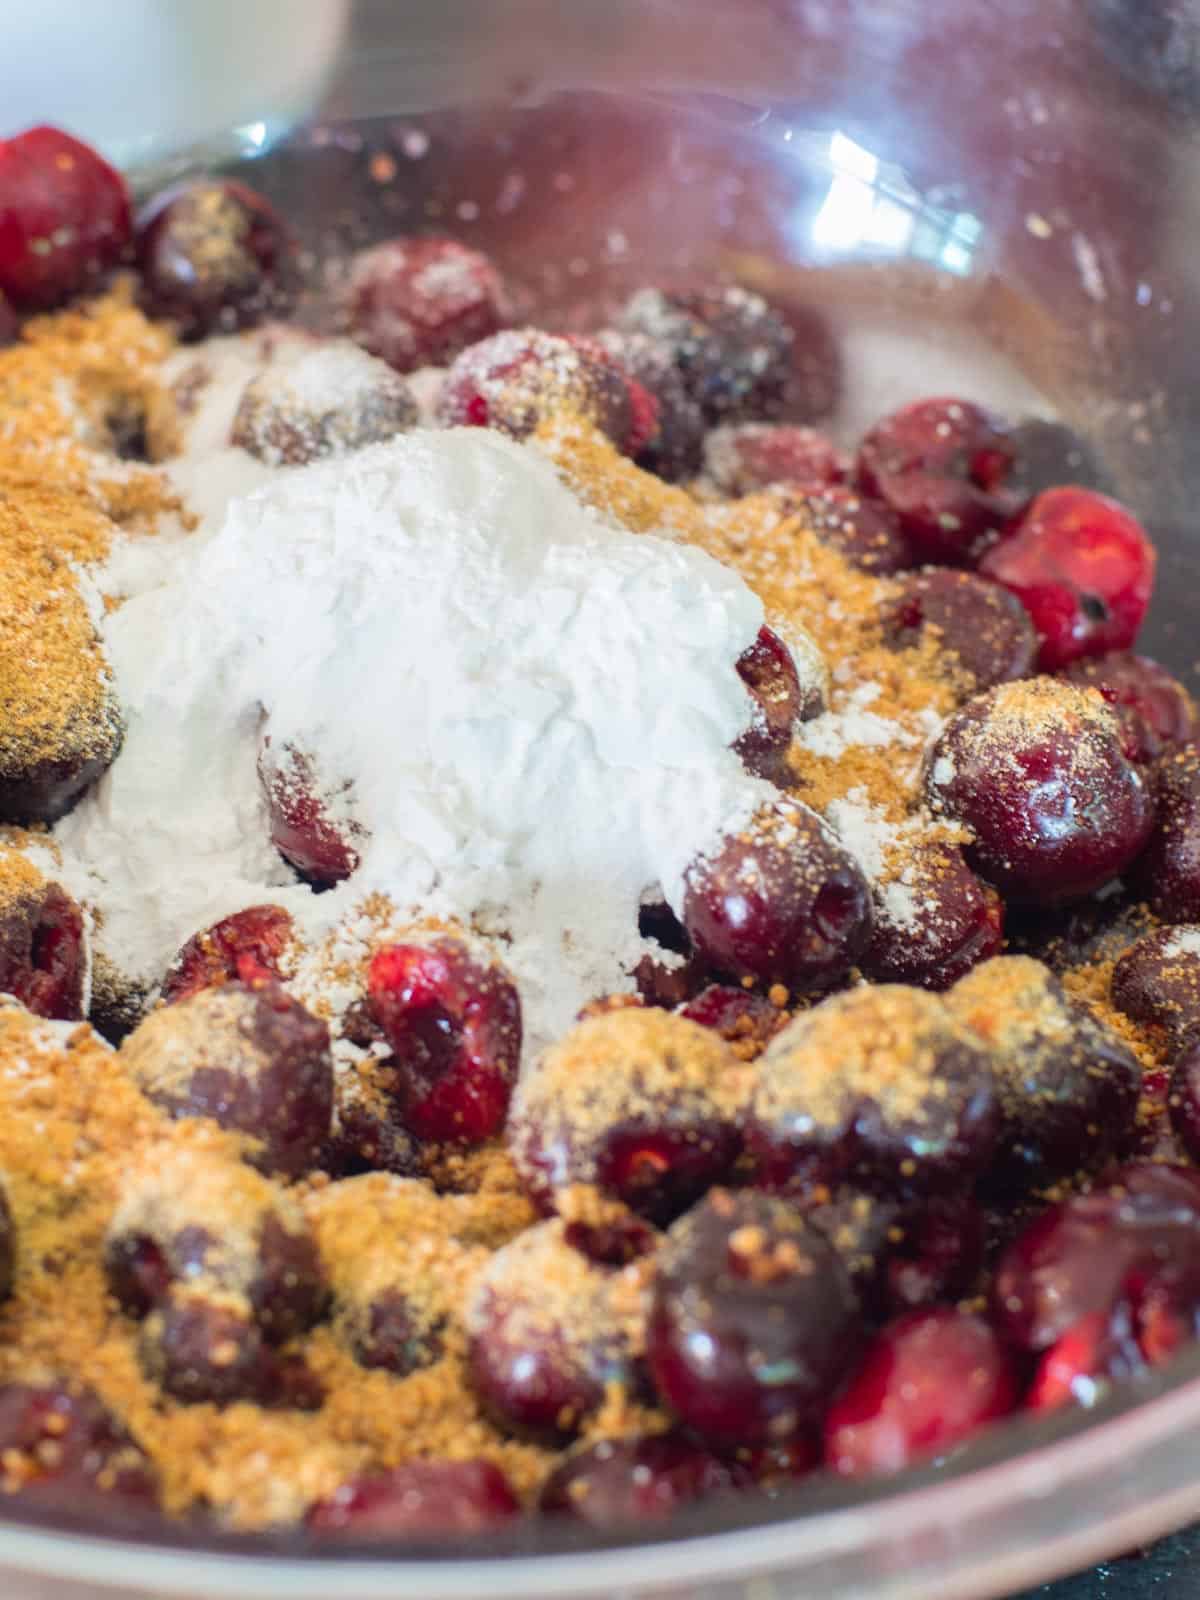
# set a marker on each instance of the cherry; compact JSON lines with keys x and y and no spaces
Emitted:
{"x":767,"y":669}
{"x":326,"y":400}
{"x":1068,"y":1088}
{"x":251,"y":1058}
{"x":247,"y":946}
{"x":64,"y":218}
{"x":1156,"y":708}
{"x":435,"y":1498}
{"x":1184,"y":1097}
{"x":881,"y":1086}
{"x":518,"y":379}
{"x":367,"y":1137}
{"x":1168,"y":874}
{"x":742,"y":458}
{"x":1098,"y":1347}
{"x":550,"y":1330}
{"x":418,"y":302}
{"x":214,"y":257}
{"x":1157,"y":980}
{"x":934,"y":922}
{"x":638,"y":1102}
{"x":453,"y":1023}
{"x":745,"y":1020}
{"x":939,"y":1253}
{"x":738,"y":356}
{"x":42,"y":790}
{"x":1049,"y":454}
{"x":940,"y":466}
{"x":928,"y":1382}
{"x":1083,"y":568}
{"x":862,"y":531}
{"x":219,"y":1265}
{"x":1098,"y":1253}
{"x":1037,"y":771}
{"x":753,"y":1321}
{"x":9,"y":325}
{"x":62,"y":1445}
{"x":303,"y":826}
{"x":985,"y":628}
{"x":779,"y":901}
{"x":673,"y":444}
{"x":642,"y":1479}
{"x":43,"y":958}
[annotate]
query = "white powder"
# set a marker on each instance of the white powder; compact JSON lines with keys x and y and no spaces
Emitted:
{"x":834,"y":733}
{"x":868,"y":834}
{"x":533,"y":710}
{"x":1183,"y":942}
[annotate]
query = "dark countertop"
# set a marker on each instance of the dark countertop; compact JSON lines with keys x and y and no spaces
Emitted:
{"x":1169,"y":1571}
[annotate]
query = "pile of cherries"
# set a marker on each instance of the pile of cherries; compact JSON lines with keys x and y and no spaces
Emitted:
{"x":801,"y":1273}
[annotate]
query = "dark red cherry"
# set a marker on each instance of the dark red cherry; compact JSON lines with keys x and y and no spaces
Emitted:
{"x":745,"y":457}
{"x":940,"y":466}
{"x":738,"y":355}
{"x":64,"y":218}
{"x":1083,"y":567}
{"x":769,"y":672}
{"x":779,"y":901}
{"x":673,"y":442}
{"x":251,"y":1058}
{"x":933,"y":922}
{"x":1168,"y":873}
{"x":753,"y":1322}
{"x":928,"y":1382}
{"x":1038,"y":772}
{"x":862,"y":531}
{"x":1156,"y":708}
{"x":638,"y":1102}
{"x":214,"y":257}
{"x":636,"y":1480}
{"x":1068,"y":1088}
{"x":309,"y":824}
{"x":517,"y":379}
{"x":61,"y":1445}
{"x":745,"y":1020}
{"x":453,"y":1022}
{"x":881,"y":1086}
{"x":985,"y":628}
{"x":420,"y":1498}
{"x":42,"y":953}
{"x":246,"y":947}
{"x":551,"y":1329}
{"x":1157,"y":980}
{"x":417,"y":302}
{"x":1098,"y":1253}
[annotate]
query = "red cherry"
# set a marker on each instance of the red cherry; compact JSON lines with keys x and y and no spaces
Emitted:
{"x":42,"y":956}
{"x":926,"y":1384}
{"x":742,"y":458}
{"x":64,"y":217}
{"x":780,"y":901}
{"x":636,"y":1480}
{"x":1155,"y":707}
{"x":1083,"y":568}
{"x":1099,"y":1346}
{"x":418,"y":302}
{"x":63,"y":1447}
{"x":246,"y":946}
{"x":436,"y":1498}
{"x":862,"y":531}
{"x":214,"y":257}
{"x":769,"y":672}
{"x":303,"y":828}
{"x":940,"y":465}
{"x":936,"y":924}
{"x":454,"y":1027}
{"x":986,"y":628}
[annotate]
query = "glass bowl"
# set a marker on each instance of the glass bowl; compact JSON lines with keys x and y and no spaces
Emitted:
{"x":997,"y":198}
